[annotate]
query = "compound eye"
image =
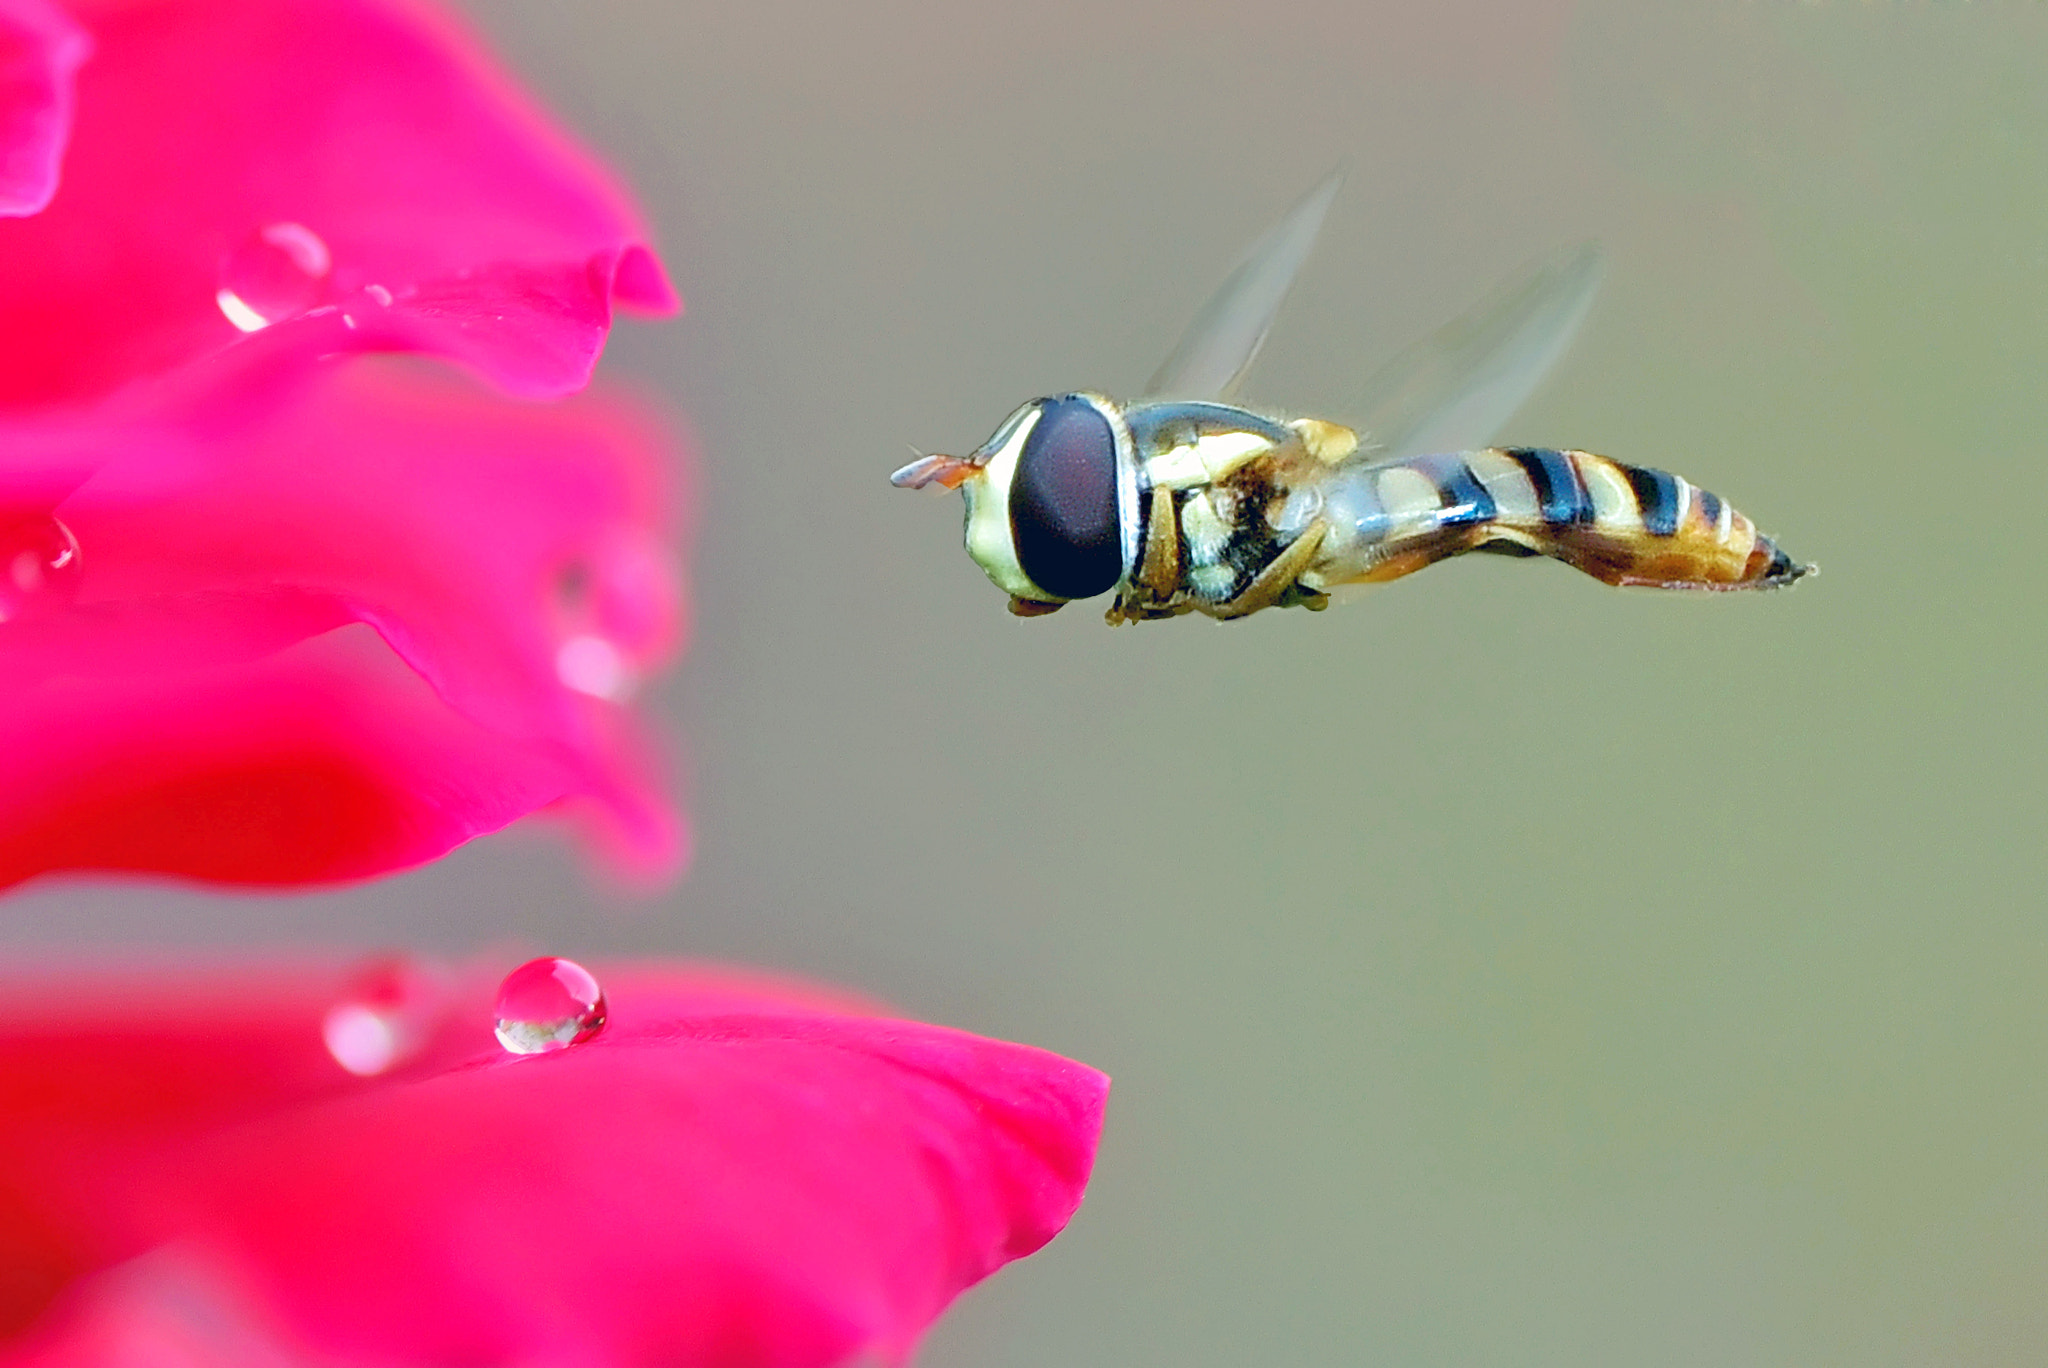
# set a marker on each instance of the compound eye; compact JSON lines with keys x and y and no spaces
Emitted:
{"x":1063,"y":502}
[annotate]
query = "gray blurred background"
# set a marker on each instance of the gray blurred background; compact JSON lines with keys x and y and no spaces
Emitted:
{"x":1498,"y":970}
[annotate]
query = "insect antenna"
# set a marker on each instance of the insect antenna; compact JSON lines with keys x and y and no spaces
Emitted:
{"x":945,"y":473}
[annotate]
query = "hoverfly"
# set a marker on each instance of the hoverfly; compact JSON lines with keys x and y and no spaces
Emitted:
{"x":1184,"y":502}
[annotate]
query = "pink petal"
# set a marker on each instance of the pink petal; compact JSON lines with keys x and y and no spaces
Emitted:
{"x":40,"y":51}
{"x":720,"y":1178}
{"x":368,"y":147}
{"x":334,"y":623}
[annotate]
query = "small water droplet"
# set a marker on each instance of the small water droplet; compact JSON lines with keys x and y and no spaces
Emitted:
{"x":610,"y":605}
{"x":548,"y":1004}
{"x":592,"y":665}
{"x":378,"y":293}
{"x":385,"y":1015}
{"x":362,"y":1040}
{"x":39,"y":565}
{"x":279,"y":272}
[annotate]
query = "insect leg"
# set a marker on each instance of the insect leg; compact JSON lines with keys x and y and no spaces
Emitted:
{"x":1280,"y":575}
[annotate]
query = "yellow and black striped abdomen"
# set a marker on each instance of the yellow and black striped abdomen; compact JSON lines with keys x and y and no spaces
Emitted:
{"x":1619,"y":523}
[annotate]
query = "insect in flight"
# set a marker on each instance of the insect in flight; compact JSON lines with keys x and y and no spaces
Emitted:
{"x":1184,"y":502}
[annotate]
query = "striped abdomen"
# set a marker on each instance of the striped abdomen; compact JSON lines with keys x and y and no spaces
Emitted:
{"x":1619,"y":523}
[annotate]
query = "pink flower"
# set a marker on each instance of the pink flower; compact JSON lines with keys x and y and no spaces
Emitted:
{"x":324,"y":163}
{"x":333,"y":622}
{"x":40,"y":49}
{"x":270,"y":611}
{"x":732,"y":1173}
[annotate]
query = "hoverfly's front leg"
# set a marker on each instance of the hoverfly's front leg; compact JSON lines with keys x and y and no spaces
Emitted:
{"x":1160,"y":568}
{"x":1154,"y":591}
{"x":1279,"y":584}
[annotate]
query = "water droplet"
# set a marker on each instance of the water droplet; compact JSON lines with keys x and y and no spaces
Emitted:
{"x":386,"y":1014}
{"x":279,"y":272}
{"x":611,"y":608}
{"x":39,"y":565}
{"x":548,"y":1004}
{"x":378,"y":293}
{"x":592,"y":665}
{"x":362,"y":1040}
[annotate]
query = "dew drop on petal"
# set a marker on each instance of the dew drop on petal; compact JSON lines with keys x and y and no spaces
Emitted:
{"x":607,"y":606}
{"x":362,"y":1040}
{"x":592,"y":665}
{"x":385,"y":1014}
{"x":279,"y":272}
{"x":548,"y":1004}
{"x":39,"y":565}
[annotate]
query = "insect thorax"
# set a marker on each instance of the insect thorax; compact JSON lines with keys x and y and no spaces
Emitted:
{"x":1223,"y":496}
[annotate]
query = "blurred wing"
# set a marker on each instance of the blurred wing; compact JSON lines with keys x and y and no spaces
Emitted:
{"x":1220,"y":345}
{"x":1454,"y":390}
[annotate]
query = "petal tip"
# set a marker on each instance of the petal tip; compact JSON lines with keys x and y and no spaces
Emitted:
{"x":639,"y":283}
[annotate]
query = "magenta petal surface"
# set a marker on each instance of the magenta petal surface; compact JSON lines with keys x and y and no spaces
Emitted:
{"x":40,"y":51}
{"x":333,"y":621}
{"x":426,"y":200}
{"x":724,"y":1177}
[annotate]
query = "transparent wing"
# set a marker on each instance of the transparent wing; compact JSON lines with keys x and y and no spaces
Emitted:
{"x":1223,"y":341}
{"x":1455,"y":389}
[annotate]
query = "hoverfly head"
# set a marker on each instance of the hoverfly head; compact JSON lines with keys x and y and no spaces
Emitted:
{"x":1044,"y":518}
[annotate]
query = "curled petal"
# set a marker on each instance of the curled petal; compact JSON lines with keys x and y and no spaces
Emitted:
{"x":301,"y":166}
{"x":324,"y":762}
{"x":40,"y":52}
{"x":721,"y":1177}
{"x":334,"y":622}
